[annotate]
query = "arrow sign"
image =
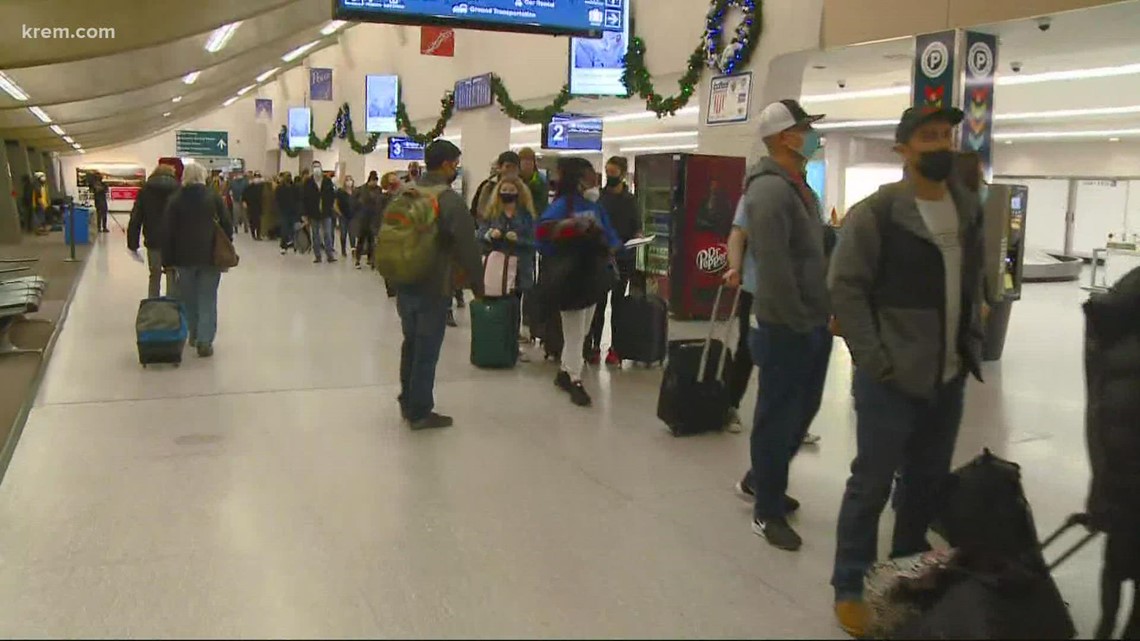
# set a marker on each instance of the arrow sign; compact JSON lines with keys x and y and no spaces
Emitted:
{"x":189,"y":142}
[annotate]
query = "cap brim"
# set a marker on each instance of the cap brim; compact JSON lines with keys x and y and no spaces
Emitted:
{"x":811,"y":120}
{"x":951,"y":115}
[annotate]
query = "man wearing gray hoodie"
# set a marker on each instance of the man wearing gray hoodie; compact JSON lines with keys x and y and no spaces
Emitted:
{"x":789,"y":339}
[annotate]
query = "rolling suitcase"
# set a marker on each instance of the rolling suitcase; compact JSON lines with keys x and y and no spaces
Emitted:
{"x":495,"y":328}
{"x":641,"y":328}
{"x":302,"y":241}
{"x":694,"y":397}
{"x":161,"y":331}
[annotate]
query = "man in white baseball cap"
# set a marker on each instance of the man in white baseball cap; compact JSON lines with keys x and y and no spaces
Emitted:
{"x":780,"y":219}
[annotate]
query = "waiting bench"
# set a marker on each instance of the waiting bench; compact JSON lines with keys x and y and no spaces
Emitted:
{"x":18,"y":297}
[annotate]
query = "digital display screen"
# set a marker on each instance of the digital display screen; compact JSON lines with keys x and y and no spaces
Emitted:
{"x":597,"y":64}
{"x":404,"y":149}
{"x":570,"y":132}
{"x":300,"y":121}
{"x":381,"y":93}
{"x":560,"y":17}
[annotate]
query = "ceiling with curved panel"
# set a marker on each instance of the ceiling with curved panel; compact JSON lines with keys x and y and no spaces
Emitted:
{"x":119,"y":90}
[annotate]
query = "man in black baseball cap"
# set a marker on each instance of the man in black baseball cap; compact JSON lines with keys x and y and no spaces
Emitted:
{"x":906,"y":283}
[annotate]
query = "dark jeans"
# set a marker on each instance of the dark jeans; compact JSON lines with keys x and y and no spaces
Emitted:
{"x":594,"y":338}
{"x":894,"y":433}
{"x":365,"y":243}
{"x":740,"y":369}
{"x":198,"y":290}
{"x":347,"y":236}
{"x":101,"y":215}
{"x":793,"y":370}
{"x":423,"y":318}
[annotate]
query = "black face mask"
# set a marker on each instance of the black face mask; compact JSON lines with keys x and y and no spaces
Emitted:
{"x":509,"y":198}
{"x":612,"y":182}
{"x":936,"y":165}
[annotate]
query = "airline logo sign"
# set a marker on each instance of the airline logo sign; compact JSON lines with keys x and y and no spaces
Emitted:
{"x":188,"y":142}
{"x":437,"y":41}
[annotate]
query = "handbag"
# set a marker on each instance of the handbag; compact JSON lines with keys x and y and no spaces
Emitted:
{"x":225,"y":255}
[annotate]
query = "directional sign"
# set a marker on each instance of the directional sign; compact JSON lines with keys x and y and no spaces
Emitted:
{"x":202,"y":143}
{"x":473,"y":93}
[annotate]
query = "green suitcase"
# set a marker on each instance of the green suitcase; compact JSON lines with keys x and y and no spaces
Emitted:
{"x":495,"y":332}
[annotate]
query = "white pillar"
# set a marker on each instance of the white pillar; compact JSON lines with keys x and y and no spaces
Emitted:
{"x":837,"y":157}
{"x":486,"y":134}
{"x":791,"y":32}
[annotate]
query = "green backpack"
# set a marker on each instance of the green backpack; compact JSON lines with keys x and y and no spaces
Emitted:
{"x":408,"y":243}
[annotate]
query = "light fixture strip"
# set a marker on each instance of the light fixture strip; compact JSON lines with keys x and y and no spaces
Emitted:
{"x":266,"y":74}
{"x":58,"y":130}
{"x":41,"y":114}
{"x":230,"y":101}
{"x":221,"y":37}
{"x":332,"y":27}
{"x":191,"y":77}
{"x":12,"y":89}
{"x":246,"y":89}
{"x":299,"y":51}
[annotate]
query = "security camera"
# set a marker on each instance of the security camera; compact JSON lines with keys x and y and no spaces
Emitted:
{"x":1015,"y":67}
{"x":842,"y":84}
{"x":1044,"y":24}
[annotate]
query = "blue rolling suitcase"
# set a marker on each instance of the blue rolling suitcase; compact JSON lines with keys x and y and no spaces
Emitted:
{"x":161,"y":331}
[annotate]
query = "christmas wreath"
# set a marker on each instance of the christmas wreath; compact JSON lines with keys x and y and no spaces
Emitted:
{"x":725,"y":60}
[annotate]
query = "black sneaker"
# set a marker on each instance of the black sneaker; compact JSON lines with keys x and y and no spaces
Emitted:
{"x":451,"y":319}
{"x":578,"y":395}
{"x":205,"y":350}
{"x":317,"y":260}
{"x":432,"y":421}
{"x":562,"y":381}
{"x":778,"y":534}
{"x":744,"y":490}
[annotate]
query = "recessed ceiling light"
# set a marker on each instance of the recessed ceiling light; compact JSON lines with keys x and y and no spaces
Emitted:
{"x":82,"y":151}
{"x":13,"y":89}
{"x":625,"y":150}
{"x":58,"y":130}
{"x":176,"y":99}
{"x":230,"y":101}
{"x":299,"y":51}
{"x":332,"y":27}
{"x":40,"y":113}
{"x":191,"y":77}
{"x":266,"y":74}
{"x":69,"y":140}
{"x":1114,"y":139}
{"x":221,"y":36}
{"x":166,"y":115}
{"x":246,"y":89}
{"x":1009,"y":142}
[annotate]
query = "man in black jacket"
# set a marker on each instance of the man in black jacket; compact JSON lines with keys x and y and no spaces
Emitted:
{"x":99,"y":194}
{"x":148,"y":219}
{"x":625,"y":216}
{"x":319,"y":199}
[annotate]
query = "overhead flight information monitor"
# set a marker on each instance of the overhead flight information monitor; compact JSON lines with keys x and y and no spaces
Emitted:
{"x":597,"y":64}
{"x":400,"y":148}
{"x":570,"y":132}
{"x":583,"y":18}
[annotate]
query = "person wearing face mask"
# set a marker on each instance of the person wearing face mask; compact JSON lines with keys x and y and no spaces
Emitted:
{"x":507,"y":166}
{"x":907,"y":287}
{"x":319,"y":197}
{"x":370,"y":202}
{"x":625,"y":215}
{"x":789,"y":339}
{"x":577,"y":242}
{"x":345,"y":207}
{"x":509,"y":228}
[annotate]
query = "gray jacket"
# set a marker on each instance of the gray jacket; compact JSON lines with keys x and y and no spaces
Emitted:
{"x":460,"y":251}
{"x":785,"y":239}
{"x":888,"y":289}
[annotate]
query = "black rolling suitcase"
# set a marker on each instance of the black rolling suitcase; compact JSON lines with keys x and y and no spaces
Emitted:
{"x":641,"y":328}
{"x":694,"y":397}
{"x":160,"y":331}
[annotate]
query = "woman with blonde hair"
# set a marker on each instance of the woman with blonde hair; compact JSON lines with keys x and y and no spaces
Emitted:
{"x":508,"y":226}
{"x":188,"y":246}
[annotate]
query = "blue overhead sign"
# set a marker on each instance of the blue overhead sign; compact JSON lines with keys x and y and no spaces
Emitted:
{"x":560,"y":17}
{"x":473,"y":93}
{"x":400,"y":148}
{"x":201,"y":143}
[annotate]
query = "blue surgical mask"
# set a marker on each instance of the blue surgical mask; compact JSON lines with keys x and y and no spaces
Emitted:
{"x":811,"y":144}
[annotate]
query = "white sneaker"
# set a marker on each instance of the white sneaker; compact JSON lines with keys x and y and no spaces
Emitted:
{"x":734,"y":425}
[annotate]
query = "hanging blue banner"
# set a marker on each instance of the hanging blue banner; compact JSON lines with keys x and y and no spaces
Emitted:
{"x":978,"y":96}
{"x":934,"y":70}
{"x":320,"y":84}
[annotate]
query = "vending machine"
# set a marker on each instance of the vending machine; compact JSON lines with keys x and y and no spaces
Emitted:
{"x":688,"y":201}
{"x":1005,"y":210}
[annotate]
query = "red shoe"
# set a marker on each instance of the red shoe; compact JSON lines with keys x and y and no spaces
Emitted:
{"x":612,"y":358}
{"x":593,"y":356}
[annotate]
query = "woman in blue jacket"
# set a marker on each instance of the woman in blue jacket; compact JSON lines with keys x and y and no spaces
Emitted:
{"x":578,"y":243}
{"x":509,"y":227}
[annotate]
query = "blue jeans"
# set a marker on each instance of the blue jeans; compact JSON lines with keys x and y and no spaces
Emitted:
{"x":424,"y":321}
{"x":894,"y":432}
{"x":323,"y":237}
{"x":198,"y":290}
{"x":792,"y":373}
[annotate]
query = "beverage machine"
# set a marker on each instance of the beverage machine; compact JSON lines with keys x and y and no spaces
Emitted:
{"x":688,"y":201}
{"x":1005,"y":210}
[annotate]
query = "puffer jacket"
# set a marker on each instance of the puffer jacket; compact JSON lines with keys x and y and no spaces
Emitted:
{"x":1112,"y":422}
{"x":149,"y":212}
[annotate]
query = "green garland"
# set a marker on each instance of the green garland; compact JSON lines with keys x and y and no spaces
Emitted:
{"x":636,"y":78}
{"x":446,"y":111}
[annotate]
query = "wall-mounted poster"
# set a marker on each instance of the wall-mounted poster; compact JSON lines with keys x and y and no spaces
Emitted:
{"x":123,"y":180}
{"x":381,"y":93}
{"x":263,"y":109}
{"x":730,"y":98}
{"x":437,"y":41}
{"x":320,"y":84}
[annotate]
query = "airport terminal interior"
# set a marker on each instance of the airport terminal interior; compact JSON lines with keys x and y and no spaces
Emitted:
{"x":272,"y":489}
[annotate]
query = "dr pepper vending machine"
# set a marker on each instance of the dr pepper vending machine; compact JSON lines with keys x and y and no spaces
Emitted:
{"x":688,"y":201}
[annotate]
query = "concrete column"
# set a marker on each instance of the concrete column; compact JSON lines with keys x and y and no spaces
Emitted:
{"x":18,"y":163}
{"x":791,"y":32}
{"x":9,"y":214}
{"x":52,"y":172}
{"x":35,"y":160}
{"x":486,"y":134}
{"x":837,"y":157}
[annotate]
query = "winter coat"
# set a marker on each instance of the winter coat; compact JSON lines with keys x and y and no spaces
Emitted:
{"x":188,"y":237}
{"x":149,"y":212}
{"x":523,"y":225}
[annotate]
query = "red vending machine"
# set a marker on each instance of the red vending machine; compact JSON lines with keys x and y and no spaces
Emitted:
{"x":688,"y":201}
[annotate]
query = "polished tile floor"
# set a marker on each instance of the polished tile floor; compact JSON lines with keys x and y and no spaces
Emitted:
{"x":272,"y":491}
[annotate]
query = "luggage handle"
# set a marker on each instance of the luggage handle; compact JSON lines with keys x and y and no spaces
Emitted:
{"x":1070,"y":523}
{"x":722,"y":366}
